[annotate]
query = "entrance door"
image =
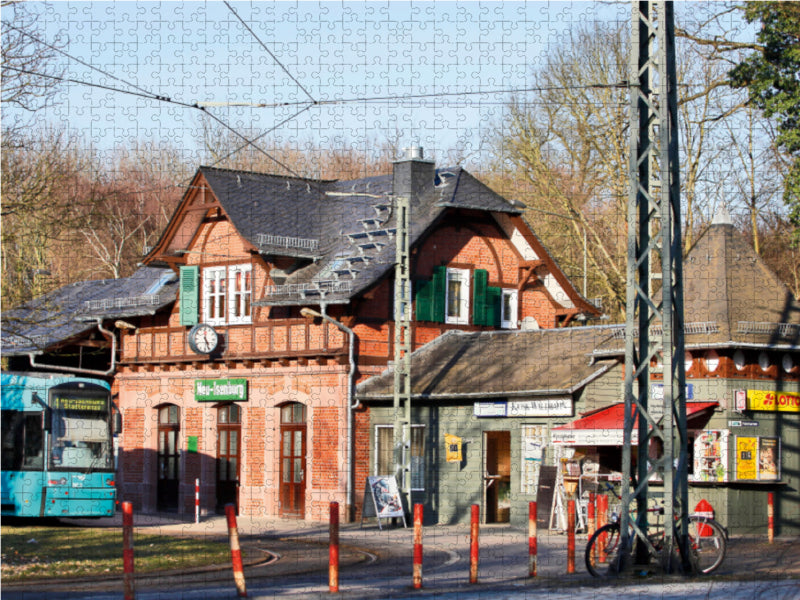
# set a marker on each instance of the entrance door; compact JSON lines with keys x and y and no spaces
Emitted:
{"x":168,"y":457}
{"x":229,"y":430}
{"x":497,"y":476}
{"x":293,"y":461}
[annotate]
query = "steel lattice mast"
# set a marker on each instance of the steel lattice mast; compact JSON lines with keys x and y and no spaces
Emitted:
{"x":402,"y":349}
{"x":654,"y":324}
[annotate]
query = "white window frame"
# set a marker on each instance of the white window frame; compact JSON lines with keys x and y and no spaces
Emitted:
{"x":240,"y":308}
{"x":463,"y":276}
{"x":237,"y":303}
{"x":508,"y":321}
{"x":217,"y":299}
{"x":376,"y":467}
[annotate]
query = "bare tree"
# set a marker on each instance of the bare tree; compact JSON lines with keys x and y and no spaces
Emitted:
{"x":29,"y":69}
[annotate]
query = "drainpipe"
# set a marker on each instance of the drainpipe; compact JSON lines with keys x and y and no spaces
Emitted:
{"x":351,"y":405}
{"x":109,"y":372}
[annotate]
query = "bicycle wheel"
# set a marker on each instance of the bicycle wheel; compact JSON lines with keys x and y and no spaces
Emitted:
{"x":602,"y":551}
{"x":708,"y":543}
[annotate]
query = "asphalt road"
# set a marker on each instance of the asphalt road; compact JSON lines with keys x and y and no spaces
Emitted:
{"x":290,"y":560}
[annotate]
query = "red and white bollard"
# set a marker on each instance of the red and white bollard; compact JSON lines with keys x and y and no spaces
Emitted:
{"x":532,"y":544}
{"x":196,"y":500}
{"x":127,"y":551}
{"x":770,"y":517}
{"x":602,"y":519}
{"x":236,"y":553}
{"x":570,"y":536}
{"x":473,"y":544}
{"x":417,"y":573}
{"x":591,"y":526}
{"x":333,"y":549}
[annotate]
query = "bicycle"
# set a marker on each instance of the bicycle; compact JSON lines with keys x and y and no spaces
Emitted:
{"x":707,"y":544}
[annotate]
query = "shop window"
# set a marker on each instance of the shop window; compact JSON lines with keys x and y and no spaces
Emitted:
{"x":227,"y":294}
{"x":384,"y":455}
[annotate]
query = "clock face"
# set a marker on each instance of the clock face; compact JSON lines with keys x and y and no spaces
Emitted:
{"x":203,"y":339}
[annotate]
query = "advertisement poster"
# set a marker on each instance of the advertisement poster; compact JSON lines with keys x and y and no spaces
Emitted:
{"x":758,"y":458}
{"x":768,"y":459}
{"x":746,"y":453}
{"x":711,"y":455}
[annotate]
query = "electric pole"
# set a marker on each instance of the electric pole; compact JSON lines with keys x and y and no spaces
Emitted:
{"x":654,"y":323}
{"x":402,"y":350}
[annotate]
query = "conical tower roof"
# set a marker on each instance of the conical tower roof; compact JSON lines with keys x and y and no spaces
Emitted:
{"x":728,"y":286}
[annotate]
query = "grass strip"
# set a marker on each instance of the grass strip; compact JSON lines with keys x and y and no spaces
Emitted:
{"x":41,"y":552}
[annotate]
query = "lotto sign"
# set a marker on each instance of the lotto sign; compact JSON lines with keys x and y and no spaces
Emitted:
{"x":773,"y":401}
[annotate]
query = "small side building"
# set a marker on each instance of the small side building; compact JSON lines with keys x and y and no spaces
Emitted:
{"x":517,"y":403}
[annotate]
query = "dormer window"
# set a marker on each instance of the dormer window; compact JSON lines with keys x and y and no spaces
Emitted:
{"x":227,"y":292}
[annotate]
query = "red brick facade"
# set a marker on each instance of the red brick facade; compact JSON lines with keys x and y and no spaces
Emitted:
{"x":288,"y":360}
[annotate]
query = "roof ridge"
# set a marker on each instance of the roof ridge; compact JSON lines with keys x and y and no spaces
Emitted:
{"x":264,"y":174}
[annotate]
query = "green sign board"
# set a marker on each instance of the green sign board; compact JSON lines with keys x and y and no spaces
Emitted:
{"x":191,"y":444}
{"x":220,"y":390}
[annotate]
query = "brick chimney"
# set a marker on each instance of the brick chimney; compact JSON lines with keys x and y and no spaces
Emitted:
{"x":412,"y":175}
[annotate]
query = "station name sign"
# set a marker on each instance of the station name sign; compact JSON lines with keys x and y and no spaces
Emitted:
{"x":220,"y":390}
{"x":546,"y":407}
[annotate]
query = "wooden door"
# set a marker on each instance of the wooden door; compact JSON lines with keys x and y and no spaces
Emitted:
{"x":229,"y":433}
{"x":168,"y":458}
{"x":293,"y":461}
{"x":497,"y":476}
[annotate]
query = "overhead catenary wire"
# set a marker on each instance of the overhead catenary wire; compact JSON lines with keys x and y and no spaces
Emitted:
{"x":275,"y":58}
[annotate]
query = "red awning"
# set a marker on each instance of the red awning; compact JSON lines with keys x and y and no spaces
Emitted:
{"x":604,"y":426}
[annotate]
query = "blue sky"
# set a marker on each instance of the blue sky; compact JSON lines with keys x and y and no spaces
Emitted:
{"x":413,"y":70}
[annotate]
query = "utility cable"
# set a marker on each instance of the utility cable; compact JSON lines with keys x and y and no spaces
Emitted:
{"x":275,"y":58}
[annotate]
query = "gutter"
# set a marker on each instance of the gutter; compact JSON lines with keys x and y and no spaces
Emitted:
{"x":107,"y":373}
{"x":351,"y":405}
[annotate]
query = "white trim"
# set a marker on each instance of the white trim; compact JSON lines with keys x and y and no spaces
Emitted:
{"x":509,"y":321}
{"x":241,"y":314}
{"x":217,"y":299}
{"x":462,"y":276}
{"x":226,"y":277}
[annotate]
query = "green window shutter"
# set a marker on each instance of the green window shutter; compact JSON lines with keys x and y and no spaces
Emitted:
{"x":479,"y":286}
{"x":439,"y":292}
{"x":494,"y":299}
{"x":190,"y":293}
{"x":424,"y":299}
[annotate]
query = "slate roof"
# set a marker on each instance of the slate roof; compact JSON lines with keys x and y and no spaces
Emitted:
{"x":499,"y":364}
{"x":70,"y":311}
{"x":731,"y":297}
{"x":347,"y":228}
